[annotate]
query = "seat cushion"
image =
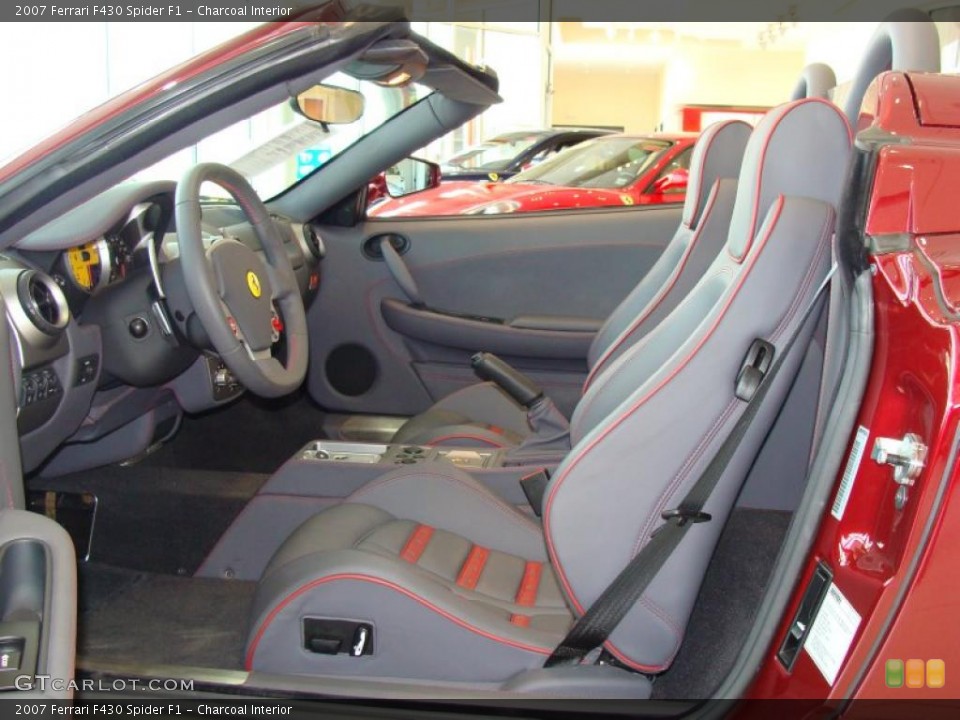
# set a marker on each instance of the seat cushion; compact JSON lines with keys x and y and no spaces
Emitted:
{"x":442,"y":606}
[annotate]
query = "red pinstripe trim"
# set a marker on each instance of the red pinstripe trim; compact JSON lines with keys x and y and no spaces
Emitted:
{"x":661,"y":296}
{"x":720,"y":127}
{"x":248,"y":661}
{"x":559,"y":479}
{"x":416,"y":543}
{"x":784,"y":112}
{"x":464,"y":436}
{"x":473,"y":567}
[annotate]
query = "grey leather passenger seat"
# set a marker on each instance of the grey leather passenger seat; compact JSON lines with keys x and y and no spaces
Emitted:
{"x":484,"y":415}
{"x":456,"y":584}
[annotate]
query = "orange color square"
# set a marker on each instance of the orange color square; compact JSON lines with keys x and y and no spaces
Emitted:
{"x":915,"y":671}
{"x":936,"y":673}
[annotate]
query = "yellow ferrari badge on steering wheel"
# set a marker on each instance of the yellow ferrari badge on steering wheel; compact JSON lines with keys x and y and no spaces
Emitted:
{"x":253,"y":283}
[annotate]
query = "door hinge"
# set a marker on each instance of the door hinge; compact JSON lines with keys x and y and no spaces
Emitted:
{"x":906,"y":456}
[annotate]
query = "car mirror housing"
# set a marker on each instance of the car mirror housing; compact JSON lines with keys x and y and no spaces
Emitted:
{"x":329,"y":105}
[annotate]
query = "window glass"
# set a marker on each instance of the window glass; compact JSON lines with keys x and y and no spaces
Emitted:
{"x":609,"y":162}
{"x":680,"y":162}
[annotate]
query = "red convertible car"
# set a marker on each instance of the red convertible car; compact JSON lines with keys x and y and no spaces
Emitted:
{"x":614,"y":170}
{"x":255,"y":443}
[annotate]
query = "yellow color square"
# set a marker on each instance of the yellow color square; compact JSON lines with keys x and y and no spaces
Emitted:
{"x":936,"y":673}
{"x":915,"y":673}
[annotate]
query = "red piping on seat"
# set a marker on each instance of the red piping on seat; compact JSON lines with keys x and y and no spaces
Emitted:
{"x":763,"y":159}
{"x":558,"y":481}
{"x":664,"y":292}
{"x":248,"y":661}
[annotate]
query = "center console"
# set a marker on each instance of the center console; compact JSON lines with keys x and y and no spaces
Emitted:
{"x":373,"y":454}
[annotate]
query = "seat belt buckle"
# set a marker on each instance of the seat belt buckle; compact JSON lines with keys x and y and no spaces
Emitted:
{"x":534,"y":486}
{"x":755,"y":365}
{"x":684,"y":516}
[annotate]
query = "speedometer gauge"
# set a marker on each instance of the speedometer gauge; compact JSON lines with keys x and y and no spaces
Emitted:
{"x":88,"y":266}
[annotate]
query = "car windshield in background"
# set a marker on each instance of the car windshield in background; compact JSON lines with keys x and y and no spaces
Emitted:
{"x":278,"y":147}
{"x":495,"y":154}
{"x":609,"y":163}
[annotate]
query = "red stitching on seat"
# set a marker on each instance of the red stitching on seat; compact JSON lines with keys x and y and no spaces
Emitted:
{"x":416,"y":543}
{"x":527,"y":592}
{"x":248,"y":662}
{"x":473,"y":567}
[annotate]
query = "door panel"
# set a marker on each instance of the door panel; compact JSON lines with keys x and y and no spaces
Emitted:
{"x":569,"y":267}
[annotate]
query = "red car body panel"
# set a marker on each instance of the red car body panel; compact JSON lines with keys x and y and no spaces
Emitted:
{"x":455,"y":198}
{"x":903,"y":582}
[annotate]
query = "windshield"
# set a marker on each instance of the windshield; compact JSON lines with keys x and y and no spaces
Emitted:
{"x":277,"y":148}
{"x":495,"y":154}
{"x":610,"y":162}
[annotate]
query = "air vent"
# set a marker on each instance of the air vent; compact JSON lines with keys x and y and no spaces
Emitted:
{"x":43,"y":302}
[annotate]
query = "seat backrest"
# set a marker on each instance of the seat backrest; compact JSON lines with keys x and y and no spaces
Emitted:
{"x":670,"y":399}
{"x":714,"y":167}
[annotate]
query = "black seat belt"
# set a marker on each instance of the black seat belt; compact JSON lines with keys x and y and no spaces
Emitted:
{"x":603,"y":616}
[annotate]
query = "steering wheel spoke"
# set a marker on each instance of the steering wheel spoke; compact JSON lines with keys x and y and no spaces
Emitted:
{"x":242,"y":297}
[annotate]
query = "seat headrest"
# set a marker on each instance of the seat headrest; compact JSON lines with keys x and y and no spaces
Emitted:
{"x":800,"y":149}
{"x":717,"y":154}
{"x":816,"y":81}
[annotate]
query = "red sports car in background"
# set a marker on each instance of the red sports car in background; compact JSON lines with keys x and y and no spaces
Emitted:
{"x":614,"y":170}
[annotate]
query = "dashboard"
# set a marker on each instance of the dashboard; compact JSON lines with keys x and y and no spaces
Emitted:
{"x":97,"y":309}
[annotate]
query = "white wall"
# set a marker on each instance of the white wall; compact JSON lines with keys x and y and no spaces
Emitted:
{"x":56,"y":71}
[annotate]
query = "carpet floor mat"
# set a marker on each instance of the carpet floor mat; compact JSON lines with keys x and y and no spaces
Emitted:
{"x":138,"y":618}
{"x":726,"y":607}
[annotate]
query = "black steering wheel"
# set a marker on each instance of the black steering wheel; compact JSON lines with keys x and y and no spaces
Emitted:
{"x":244,"y":303}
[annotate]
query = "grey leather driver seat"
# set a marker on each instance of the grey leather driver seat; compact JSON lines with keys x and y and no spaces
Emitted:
{"x":449,"y":582}
{"x":483,"y":415}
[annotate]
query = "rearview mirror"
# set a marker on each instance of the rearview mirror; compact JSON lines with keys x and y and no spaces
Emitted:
{"x":329,"y":105}
{"x":410,"y":175}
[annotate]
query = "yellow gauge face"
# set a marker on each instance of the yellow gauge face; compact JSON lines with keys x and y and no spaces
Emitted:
{"x":84,"y":266}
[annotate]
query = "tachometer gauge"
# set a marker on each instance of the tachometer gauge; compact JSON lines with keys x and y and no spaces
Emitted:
{"x":89,"y":266}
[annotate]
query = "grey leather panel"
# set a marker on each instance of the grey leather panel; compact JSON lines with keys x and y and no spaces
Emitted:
{"x":572,"y":264}
{"x":560,"y":323}
{"x":640,"y":460}
{"x":796,"y":157}
{"x":476,"y":336}
{"x":718,"y":154}
{"x":681,"y":267}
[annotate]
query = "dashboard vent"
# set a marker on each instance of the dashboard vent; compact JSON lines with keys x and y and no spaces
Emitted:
{"x":43,"y":302}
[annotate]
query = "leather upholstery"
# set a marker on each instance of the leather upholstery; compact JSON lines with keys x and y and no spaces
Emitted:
{"x":714,"y":167}
{"x":645,"y":430}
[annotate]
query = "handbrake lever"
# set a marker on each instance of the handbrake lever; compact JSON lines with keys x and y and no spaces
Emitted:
{"x":514,"y":383}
